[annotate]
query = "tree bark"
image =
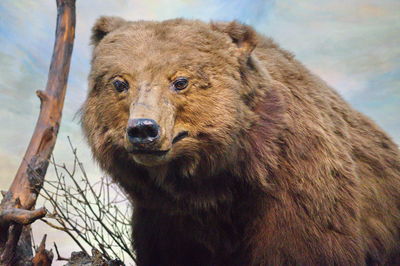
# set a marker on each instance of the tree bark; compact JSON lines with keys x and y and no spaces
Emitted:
{"x":17,"y":206}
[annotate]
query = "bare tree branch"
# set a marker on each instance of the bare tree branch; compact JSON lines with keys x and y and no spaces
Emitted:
{"x":59,"y":257}
{"x":43,"y":257}
{"x":96,"y":215}
{"x":21,"y":216}
{"x":29,"y":179}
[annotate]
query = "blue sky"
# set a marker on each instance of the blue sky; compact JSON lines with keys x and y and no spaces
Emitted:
{"x":354,"y":45}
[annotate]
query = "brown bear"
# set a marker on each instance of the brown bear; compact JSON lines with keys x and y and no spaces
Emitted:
{"x":233,"y":153}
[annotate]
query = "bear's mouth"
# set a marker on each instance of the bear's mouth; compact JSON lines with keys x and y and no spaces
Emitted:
{"x":181,"y":135}
{"x":151,"y":152}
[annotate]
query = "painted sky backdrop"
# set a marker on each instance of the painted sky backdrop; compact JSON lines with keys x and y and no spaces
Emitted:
{"x":354,"y":45}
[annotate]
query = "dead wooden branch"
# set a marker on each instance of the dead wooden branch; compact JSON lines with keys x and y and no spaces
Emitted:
{"x":16,"y":208}
{"x":21,"y":216}
{"x":59,"y":257}
{"x":43,"y":257}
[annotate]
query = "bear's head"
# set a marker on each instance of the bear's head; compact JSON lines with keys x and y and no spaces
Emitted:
{"x":177,"y":93}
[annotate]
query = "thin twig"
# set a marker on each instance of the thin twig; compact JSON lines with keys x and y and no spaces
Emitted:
{"x":89,"y":213}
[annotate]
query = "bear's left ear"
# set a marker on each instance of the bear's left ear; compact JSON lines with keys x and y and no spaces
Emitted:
{"x":103,"y":26}
{"x":245,"y":37}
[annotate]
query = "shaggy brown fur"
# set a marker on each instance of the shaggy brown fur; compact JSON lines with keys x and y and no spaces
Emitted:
{"x":277,"y":169}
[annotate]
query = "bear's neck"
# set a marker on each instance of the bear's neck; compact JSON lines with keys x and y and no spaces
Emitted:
{"x":169,"y":190}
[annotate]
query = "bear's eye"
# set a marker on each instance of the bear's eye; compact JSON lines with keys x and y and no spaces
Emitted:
{"x":120,"y":85}
{"x":180,"y":83}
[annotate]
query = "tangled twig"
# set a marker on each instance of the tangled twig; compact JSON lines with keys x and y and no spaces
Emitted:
{"x":95,"y":215}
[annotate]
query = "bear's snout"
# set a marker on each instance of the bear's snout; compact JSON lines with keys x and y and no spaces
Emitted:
{"x":142,"y":131}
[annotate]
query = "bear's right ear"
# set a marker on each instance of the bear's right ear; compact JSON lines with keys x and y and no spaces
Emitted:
{"x":242,"y":35}
{"x":103,"y":26}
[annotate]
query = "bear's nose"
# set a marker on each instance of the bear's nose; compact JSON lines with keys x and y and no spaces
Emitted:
{"x":142,"y":131}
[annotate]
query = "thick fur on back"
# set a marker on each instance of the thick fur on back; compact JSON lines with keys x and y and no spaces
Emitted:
{"x":277,"y":168}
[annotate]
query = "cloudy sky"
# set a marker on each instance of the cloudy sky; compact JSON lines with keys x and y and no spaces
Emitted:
{"x":354,"y":45}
